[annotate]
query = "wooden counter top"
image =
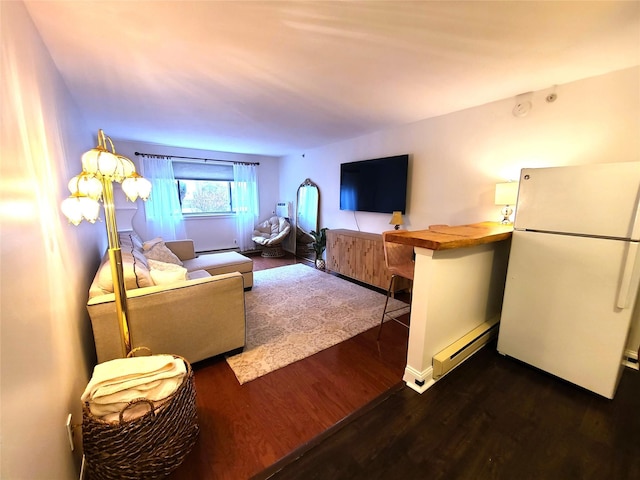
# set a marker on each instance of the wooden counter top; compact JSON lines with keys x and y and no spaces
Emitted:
{"x":445,"y":237}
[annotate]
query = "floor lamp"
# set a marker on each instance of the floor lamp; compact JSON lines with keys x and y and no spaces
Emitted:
{"x":101,"y":166}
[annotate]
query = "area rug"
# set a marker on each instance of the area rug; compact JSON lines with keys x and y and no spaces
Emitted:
{"x":296,"y":311}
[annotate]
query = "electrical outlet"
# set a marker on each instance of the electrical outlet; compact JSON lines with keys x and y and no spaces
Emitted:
{"x":70,"y":431}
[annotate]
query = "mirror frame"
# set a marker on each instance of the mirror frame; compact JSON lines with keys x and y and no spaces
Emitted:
{"x":309,"y":255}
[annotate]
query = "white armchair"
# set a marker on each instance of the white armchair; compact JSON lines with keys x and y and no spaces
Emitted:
{"x":270,"y":234}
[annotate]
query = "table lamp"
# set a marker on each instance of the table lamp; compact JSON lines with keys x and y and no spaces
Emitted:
{"x":506,"y":195}
{"x":396,"y":219}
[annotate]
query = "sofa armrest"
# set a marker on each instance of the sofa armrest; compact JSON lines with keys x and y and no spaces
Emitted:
{"x":195,"y":319}
{"x":183,"y":249}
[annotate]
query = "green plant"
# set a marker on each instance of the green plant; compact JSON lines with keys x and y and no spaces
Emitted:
{"x":319,"y":242}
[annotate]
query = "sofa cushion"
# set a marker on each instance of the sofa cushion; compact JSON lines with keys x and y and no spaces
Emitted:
{"x":134,"y":266}
{"x":217,"y":263}
{"x":141,"y":267}
{"x":136,"y":240}
{"x":136,"y":274}
{"x":163,"y":273}
{"x":149,"y":244}
{"x":197,"y":274}
{"x":126,"y":243}
{"x":157,"y":250}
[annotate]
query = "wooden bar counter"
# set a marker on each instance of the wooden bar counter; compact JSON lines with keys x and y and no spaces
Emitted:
{"x":458,"y":286}
{"x":445,"y":237}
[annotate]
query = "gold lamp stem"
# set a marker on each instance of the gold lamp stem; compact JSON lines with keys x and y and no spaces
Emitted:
{"x":117,"y":272}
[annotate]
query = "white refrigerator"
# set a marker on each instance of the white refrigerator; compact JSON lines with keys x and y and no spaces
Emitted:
{"x":574,"y":271}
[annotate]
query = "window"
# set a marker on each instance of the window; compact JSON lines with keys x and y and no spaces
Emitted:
{"x":204,"y":188}
{"x":204,"y":196}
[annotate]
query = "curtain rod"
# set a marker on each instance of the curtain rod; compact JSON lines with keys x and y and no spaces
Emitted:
{"x":154,"y":155}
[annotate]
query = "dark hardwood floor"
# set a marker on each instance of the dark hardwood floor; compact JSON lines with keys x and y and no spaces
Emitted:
{"x":491,"y":418}
{"x":247,"y":429}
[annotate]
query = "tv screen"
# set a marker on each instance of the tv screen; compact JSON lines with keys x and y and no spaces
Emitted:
{"x":377,"y":185}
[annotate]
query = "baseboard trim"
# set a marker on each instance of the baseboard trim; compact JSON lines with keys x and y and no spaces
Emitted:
{"x":418,"y":381}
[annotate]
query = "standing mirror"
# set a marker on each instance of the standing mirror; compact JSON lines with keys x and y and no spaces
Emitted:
{"x":307,"y":205}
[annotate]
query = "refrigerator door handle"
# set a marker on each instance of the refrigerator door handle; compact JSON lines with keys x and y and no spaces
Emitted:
{"x":630,"y":277}
{"x":635,"y":225}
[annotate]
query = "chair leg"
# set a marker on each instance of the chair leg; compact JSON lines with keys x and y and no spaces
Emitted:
{"x":384,"y":312}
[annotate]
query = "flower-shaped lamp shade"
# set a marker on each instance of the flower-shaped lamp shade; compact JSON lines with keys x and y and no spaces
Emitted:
{"x":86,"y":184}
{"x":135,"y":186}
{"x":80,"y":207}
{"x":100,"y":167}
{"x":100,"y":162}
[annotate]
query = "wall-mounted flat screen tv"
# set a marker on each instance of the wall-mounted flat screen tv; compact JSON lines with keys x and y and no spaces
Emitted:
{"x":376,"y":185}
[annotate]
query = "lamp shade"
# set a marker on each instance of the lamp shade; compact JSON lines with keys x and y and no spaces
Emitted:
{"x":72,"y":208}
{"x":136,"y":186}
{"x":396,"y":219}
{"x":124,"y":168}
{"x":506,"y":193}
{"x":99,"y":161}
{"x":86,"y":184}
{"x":79,"y":207}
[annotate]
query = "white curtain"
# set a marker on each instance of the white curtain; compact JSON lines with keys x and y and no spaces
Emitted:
{"x":245,"y":201}
{"x":164,"y":216}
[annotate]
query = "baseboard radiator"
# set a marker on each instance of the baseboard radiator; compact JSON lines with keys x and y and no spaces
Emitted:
{"x":630,"y":359}
{"x":459,"y":351}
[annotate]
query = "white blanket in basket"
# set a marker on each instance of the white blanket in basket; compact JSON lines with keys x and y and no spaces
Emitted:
{"x":117,"y":382}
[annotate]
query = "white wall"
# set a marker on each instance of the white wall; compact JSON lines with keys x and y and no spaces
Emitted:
{"x":46,"y":264}
{"x":209,"y":233}
{"x":457,"y":159}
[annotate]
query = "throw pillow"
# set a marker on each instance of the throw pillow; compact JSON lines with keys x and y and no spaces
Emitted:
{"x":149,"y":244}
{"x":163,"y":273}
{"x":159,"y":251}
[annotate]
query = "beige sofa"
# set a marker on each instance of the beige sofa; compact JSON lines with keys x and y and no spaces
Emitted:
{"x":213,"y":263}
{"x":197,"y":318}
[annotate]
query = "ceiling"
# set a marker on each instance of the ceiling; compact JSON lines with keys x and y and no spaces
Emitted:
{"x":279,"y":77}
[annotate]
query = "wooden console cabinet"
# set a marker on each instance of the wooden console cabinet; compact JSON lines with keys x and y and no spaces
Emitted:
{"x":360,"y":255}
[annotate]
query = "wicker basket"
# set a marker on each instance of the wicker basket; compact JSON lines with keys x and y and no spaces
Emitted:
{"x":148,"y":447}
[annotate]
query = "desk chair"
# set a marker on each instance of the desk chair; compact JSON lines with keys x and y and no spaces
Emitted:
{"x":400,"y":262}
